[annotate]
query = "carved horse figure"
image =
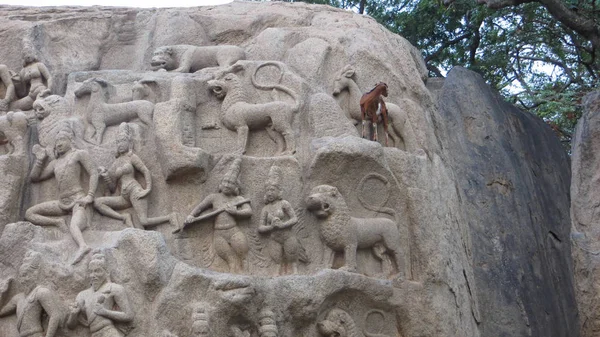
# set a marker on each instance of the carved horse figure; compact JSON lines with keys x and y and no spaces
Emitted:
{"x":398,"y":118}
{"x":101,"y":114}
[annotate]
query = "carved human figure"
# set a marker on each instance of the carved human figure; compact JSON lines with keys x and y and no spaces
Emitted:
{"x":122,"y":172}
{"x":277,"y":219}
{"x":34,"y":300}
{"x":34,"y":75}
{"x":9,"y":95}
{"x":228,"y":206}
{"x":66,"y":167}
{"x":102,"y":305}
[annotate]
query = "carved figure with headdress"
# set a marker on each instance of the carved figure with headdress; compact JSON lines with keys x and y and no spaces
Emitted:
{"x":33,"y":301}
{"x":227,"y":207}
{"x":122,"y":173}
{"x":66,"y":167}
{"x":277,"y":219}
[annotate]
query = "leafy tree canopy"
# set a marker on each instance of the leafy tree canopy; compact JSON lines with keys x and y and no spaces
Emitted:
{"x":540,"y":54}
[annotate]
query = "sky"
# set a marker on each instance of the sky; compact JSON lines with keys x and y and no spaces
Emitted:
{"x":120,"y":3}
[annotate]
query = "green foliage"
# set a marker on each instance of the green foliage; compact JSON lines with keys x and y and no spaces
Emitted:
{"x":534,"y":60}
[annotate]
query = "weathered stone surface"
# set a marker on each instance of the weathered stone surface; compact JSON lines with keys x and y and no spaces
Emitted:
{"x":584,"y":215}
{"x":231,"y":248}
{"x":511,"y":175}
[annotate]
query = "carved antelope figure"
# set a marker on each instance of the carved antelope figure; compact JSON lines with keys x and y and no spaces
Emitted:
{"x":101,"y":114}
{"x":398,"y":118}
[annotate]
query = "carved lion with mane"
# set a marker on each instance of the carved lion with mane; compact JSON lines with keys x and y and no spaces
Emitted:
{"x":342,"y":232}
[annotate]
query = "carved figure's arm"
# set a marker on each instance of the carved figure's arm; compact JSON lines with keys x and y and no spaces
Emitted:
{"x":185,"y":61}
{"x":51,"y":305}
{"x":203,"y":205}
{"x":140,"y":166}
{"x":88,"y":165}
{"x":107,"y":176}
{"x":74,"y":313}
{"x":263,"y":225}
{"x":38,"y":174}
{"x":126,"y":315}
{"x":243,"y":211}
{"x":287,"y":208}
{"x":9,"y":96}
{"x":44,"y":71}
{"x":10,"y":307}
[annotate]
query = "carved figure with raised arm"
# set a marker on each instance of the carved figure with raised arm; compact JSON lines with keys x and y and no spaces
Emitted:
{"x":9,"y":95}
{"x":66,"y":168}
{"x":35,"y":76}
{"x":122,"y":173}
{"x":33,"y":301}
{"x":228,"y":206}
{"x":102,"y":305}
{"x":277,"y":219}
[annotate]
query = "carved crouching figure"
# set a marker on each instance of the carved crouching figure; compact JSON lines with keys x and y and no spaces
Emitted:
{"x":189,"y":59}
{"x":101,"y":114}
{"x":341,"y":232}
{"x":240,"y":116}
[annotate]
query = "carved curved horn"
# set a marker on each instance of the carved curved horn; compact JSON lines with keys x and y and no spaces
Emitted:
{"x":346,"y":68}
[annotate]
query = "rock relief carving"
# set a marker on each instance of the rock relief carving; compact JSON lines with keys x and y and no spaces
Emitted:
{"x":66,"y":168}
{"x":267,"y":324}
{"x":339,"y":323}
{"x":241,"y":116}
{"x":100,"y":114}
{"x":342,"y":232}
{"x":33,"y":301}
{"x":102,"y":305}
{"x":200,"y":321}
{"x":398,"y":118}
{"x":144,"y":90}
{"x":13,"y":126}
{"x":33,"y":80}
{"x":51,"y":115}
{"x":122,"y":172}
{"x":189,"y":59}
{"x":278,"y":220}
{"x":9,"y":88}
{"x":228,"y":206}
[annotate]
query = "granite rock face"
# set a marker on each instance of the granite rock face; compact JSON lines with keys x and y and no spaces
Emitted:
{"x":584,"y":215}
{"x":200,"y":172}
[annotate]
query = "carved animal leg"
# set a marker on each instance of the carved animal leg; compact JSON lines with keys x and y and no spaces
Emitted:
{"x":282,"y":123}
{"x":242,"y":132}
{"x":277,"y":138}
{"x":328,"y":257}
{"x":145,"y":117}
{"x":385,"y":126}
{"x":364,"y":121}
{"x":375,"y":138}
{"x":100,"y":127}
{"x":350,"y":258}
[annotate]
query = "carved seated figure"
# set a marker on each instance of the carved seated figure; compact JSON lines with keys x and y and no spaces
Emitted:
{"x":102,"y":305}
{"x":9,"y":87}
{"x":122,"y":171}
{"x":34,"y":300}
{"x":35,"y":79}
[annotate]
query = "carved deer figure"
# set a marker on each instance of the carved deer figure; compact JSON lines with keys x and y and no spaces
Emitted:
{"x":101,"y":114}
{"x":398,"y":118}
